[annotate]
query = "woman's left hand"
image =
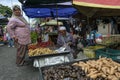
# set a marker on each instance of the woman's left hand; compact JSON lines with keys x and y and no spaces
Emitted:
{"x":15,"y":39}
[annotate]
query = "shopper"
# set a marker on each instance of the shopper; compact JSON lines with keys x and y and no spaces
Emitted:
{"x":10,"y":40}
{"x":114,"y":26}
{"x":1,"y":31}
{"x":19,"y":30}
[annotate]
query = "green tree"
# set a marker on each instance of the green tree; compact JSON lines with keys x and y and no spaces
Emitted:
{"x":5,"y":11}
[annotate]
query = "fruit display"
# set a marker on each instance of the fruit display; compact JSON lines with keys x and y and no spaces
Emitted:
{"x":40,"y":51}
{"x":101,"y":69}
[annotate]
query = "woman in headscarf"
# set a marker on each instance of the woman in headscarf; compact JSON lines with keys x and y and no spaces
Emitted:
{"x":19,"y":30}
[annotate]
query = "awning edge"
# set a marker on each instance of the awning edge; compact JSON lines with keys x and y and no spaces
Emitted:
{"x":94,"y":5}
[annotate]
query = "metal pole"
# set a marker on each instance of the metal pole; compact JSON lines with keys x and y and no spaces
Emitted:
{"x":88,"y":20}
{"x":57,"y":13}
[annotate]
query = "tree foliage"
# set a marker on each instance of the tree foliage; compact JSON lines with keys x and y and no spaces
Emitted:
{"x":5,"y":11}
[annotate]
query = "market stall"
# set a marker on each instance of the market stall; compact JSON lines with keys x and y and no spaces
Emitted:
{"x":111,"y":49}
{"x":100,"y":9}
{"x":107,"y":46}
{"x":46,"y":56}
{"x":47,"y":59}
{"x":53,"y":29}
{"x":3,"y":21}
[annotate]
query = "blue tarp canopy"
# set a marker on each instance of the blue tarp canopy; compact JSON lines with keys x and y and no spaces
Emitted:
{"x":35,"y":2}
{"x":50,"y":10}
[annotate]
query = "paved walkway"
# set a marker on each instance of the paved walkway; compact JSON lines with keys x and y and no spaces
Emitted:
{"x":9,"y":70}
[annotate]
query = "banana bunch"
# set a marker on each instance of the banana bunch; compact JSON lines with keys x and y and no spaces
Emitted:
{"x":40,"y":51}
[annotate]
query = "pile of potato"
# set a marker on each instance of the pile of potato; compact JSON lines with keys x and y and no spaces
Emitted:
{"x":103,"y":67}
{"x":40,"y":51}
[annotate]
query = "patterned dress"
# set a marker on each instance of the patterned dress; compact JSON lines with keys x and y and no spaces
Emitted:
{"x":17,"y":28}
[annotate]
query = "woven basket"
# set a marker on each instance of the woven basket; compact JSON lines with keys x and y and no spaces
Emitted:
{"x":110,"y":39}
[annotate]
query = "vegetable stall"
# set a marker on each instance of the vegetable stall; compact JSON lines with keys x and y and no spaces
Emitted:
{"x":57,"y":64}
{"x":44,"y":54}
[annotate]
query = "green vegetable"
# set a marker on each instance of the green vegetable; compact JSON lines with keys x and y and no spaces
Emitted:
{"x":34,"y":36}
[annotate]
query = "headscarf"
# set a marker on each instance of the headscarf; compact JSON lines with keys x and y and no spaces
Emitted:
{"x":19,"y":17}
{"x":62,"y":28}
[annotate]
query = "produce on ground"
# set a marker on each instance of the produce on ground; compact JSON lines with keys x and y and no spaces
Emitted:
{"x":64,"y":72}
{"x":40,"y":51}
{"x":101,"y":69}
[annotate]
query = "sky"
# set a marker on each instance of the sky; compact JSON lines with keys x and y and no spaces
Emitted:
{"x":10,"y":3}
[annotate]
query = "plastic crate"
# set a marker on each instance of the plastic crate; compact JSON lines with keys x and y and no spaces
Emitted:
{"x":109,"y":53}
{"x":90,"y":51}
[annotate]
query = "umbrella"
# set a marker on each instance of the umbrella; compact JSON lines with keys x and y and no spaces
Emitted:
{"x":36,"y":2}
{"x":42,"y":24}
{"x":53,"y":9}
{"x":50,"y":10}
{"x":53,"y":23}
{"x":95,"y":8}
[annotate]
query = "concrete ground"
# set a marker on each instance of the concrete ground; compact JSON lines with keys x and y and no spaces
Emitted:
{"x":9,"y":70}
